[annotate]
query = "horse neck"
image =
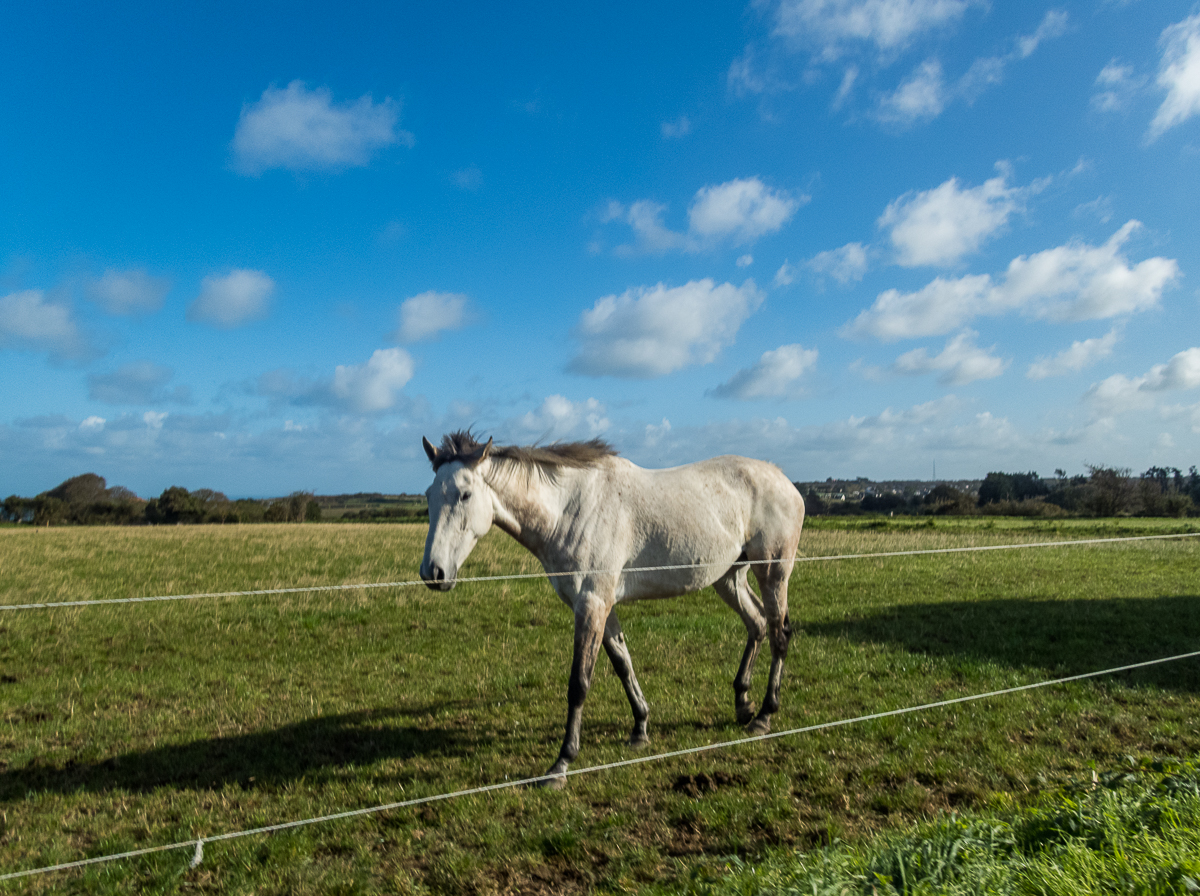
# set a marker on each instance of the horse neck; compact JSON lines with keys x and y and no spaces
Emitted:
{"x":529,"y":504}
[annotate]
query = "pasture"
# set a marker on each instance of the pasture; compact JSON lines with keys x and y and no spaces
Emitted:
{"x":132,"y":725}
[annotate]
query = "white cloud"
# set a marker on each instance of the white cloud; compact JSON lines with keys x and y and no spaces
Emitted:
{"x":1053,"y":24}
{"x":786,"y":275}
{"x":92,"y":424}
{"x":304,"y":130}
{"x":469,"y":178}
{"x":739,"y":211}
{"x":1081,"y":354}
{"x":742,"y":209}
{"x":1119,"y":84}
{"x":845,"y":265}
{"x":926,"y":93}
{"x":744,"y":261}
{"x":1100,"y":208}
{"x":645,"y":217}
{"x":373,"y":386}
{"x":154,"y":419}
{"x":1073,"y":282}
{"x":960,"y":362}
{"x":833,"y":26}
{"x":744,"y":76}
{"x":845,"y":88}
{"x":369,"y":388}
{"x":141,"y":382}
{"x":129,"y":292}
{"x":1178,"y":75}
{"x":652,"y":331}
{"x":1122,"y":393}
{"x":941,"y":306}
{"x":1181,"y":372}
{"x":1081,"y":282}
{"x":777,"y":374}
{"x":940,"y":226}
{"x":921,"y":97}
{"x":425,"y":315}
{"x":241,"y":296}
{"x":560,"y":418}
{"x":28,"y":322}
{"x":656,"y":432}
{"x":680,"y":127}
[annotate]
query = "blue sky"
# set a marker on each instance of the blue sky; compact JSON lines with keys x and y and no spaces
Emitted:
{"x":265,"y":249}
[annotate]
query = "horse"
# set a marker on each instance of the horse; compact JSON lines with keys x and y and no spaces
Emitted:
{"x":588,"y":515}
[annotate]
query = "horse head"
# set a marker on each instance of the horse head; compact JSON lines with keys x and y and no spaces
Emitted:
{"x":460,"y":508}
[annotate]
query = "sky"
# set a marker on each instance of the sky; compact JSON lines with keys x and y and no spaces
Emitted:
{"x":263,"y":247}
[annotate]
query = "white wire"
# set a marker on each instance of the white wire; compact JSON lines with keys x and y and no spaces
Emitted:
{"x":590,"y":572}
{"x":198,"y":843}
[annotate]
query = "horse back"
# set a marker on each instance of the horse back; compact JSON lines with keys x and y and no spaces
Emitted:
{"x":712,"y":504}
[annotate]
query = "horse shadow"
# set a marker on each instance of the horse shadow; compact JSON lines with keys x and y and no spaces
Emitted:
{"x":314,"y":749}
{"x":1062,"y":637}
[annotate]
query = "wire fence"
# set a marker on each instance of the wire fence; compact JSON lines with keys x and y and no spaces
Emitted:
{"x":197,"y":844}
{"x":1074,"y":542}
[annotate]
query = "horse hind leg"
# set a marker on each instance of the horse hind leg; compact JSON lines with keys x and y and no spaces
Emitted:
{"x":734,"y":588}
{"x":618,"y":653}
{"x":773,"y":580}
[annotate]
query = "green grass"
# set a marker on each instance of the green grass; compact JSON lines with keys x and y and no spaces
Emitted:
{"x":134,"y":725}
{"x":1132,"y":831}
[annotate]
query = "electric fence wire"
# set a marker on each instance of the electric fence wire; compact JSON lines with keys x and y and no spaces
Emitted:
{"x":590,"y":572}
{"x":197,"y":845}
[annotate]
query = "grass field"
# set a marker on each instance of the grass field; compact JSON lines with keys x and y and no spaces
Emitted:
{"x":134,"y":725}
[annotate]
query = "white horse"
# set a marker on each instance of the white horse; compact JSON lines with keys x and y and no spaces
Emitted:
{"x":588,"y":514}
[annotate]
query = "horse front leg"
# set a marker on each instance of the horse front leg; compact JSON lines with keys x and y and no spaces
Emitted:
{"x":590,"y":617}
{"x":618,"y":653}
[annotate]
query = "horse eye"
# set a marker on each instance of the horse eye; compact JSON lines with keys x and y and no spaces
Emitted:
{"x":466,"y":496}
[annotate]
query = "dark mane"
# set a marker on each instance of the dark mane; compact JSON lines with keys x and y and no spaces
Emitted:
{"x":461,"y":444}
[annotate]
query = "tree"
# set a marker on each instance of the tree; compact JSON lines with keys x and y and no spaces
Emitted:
{"x":80,"y":490}
{"x":49,"y":511}
{"x":214,"y":506}
{"x":1011,"y":487}
{"x":883,"y":503}
{"x":177,"y":505}
{"x":814,"y":504}
{"x":278,"y":511}
{"x":312,"y":511}
{"x":1111,"y":492}
{"x":246,"y":510}
{"x":16,"y":508}
{"x":946,"y":499}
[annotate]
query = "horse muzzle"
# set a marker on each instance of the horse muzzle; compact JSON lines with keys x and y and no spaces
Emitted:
{"x":435,"y":578}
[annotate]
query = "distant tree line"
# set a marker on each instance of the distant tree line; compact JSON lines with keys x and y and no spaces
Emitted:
{"x":86,"y":500}
{"x":389,"y":514}
{"x":1102,"y":492}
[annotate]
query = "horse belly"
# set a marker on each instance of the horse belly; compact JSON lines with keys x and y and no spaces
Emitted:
{"x":647,"y":580}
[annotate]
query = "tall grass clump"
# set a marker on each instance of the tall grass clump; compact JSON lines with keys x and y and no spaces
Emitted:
{"x":1129,"y":831}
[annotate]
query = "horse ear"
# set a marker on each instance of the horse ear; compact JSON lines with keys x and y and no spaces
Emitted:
{"x":430,"y":451}
{"x":478,"y":454}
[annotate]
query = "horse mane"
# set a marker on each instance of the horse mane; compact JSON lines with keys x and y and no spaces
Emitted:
{"x":461,"y":444}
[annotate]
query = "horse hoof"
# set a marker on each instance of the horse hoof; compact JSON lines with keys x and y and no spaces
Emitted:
{"x":759,"y":725}
{"x":639,"y":743}
{"x":551,"y":782}
{"x":745,"y":714}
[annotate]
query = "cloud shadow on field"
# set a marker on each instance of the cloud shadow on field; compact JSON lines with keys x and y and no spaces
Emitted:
{"x":312,"y":748}
{"x":1060,"y":636}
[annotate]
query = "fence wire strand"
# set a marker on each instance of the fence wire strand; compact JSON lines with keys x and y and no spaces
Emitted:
{"x":197,"y":844}
{"x":588,"y":572}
